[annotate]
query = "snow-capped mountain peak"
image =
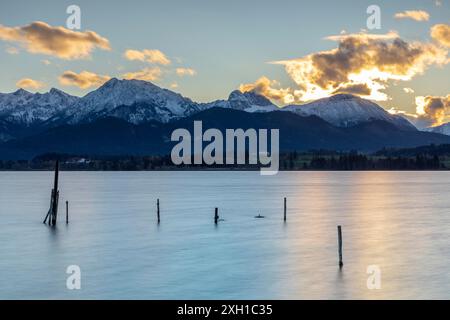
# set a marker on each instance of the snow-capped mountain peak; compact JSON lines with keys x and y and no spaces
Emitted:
{"x":250,"y":101}
{"x":143,"y":99}
{"x":442,"y":129}
{"x":114,"y":93}
{"x":245,"y":101}
{"x":248,"y":98}
{"x":24,"y":107}
{"x":138,"y":101}
{"x":57,"y":92}
{"x":11,"y":100}
{"x":22,"y":93}
{"x":346,"y":110}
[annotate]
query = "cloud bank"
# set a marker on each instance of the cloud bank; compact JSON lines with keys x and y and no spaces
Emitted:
{"x":362,"y":64}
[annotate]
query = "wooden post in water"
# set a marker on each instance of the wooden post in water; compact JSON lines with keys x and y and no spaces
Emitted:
{"x":157,"y":210}
{"x":216,"y":216}
{"x":55,"y":195}
{"x":53,"y":211}
{"x":284,"y":209}
{"x":341,"y":264}
{"x":67,"y":212}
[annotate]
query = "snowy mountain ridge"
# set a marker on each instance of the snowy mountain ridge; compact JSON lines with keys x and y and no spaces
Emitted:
{"x":442,"y":129}
{"x":26,"y":108}
{"x":138,"y":101}
{"x":345,"y":110}
{"x":146,"y":100}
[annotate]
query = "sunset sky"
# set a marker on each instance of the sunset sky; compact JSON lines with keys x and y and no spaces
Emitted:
{"x":290,"y":51}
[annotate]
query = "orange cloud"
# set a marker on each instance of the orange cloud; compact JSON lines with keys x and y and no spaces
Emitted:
{"x":432,"y":110}
{"x":151,"y":56}
{"x":441,"y":33}
{"x":39,"y":37}
{"x":362,"y":64}
{"x":391,"y":35}
{"x":417,"y":15}
{"x":83,"y":80}
{"x":185,"y":72}
{"x":28,"y":83}
{"x":146,"y":74}
{"x":268,"y":88}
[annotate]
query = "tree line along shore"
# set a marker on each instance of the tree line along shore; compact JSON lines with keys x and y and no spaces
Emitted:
{"x":421,"y":158}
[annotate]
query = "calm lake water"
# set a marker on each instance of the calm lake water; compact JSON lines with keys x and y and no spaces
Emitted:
{"x":398,"y":221}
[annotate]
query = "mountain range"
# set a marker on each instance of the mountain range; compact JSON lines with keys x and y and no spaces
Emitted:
{"x":137,"y":117}
{"x":442,"y":129}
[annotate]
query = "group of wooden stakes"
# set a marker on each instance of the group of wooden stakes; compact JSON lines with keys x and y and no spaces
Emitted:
{"x":52,"y":213}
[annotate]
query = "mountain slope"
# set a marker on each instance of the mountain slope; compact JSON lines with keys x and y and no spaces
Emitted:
{"x":25,"y":108}
{"x":345,"y":110}
{"x":243,"y":101}
{"x":112,"y":136}
{"x":134,"y":100}
{"x":442,"y":129}
{"x":6,"y":130}
{"x":143,"y":104}
{"x":139,"y":101}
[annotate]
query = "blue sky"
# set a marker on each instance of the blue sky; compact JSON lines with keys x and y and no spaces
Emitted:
{"x":227,"y":43}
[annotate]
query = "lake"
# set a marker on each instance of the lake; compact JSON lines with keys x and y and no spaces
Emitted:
{"x":396,"y":221}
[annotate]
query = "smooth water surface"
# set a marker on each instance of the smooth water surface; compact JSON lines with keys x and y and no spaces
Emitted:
{"x":397,"y":221}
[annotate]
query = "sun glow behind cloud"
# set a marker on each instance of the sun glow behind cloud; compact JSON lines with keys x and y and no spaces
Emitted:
{"x":362,"y":64}
{"x":432,"y":110}
{"x":354,"y":61}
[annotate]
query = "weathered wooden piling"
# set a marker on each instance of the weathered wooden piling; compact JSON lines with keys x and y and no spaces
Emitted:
{"x":341,"y":264}
{"x":216,"y":216}
{"x":285,"y":209}
{"x":53,"y":211}
{"x":157,"y":210}
{"x":67,"y":212}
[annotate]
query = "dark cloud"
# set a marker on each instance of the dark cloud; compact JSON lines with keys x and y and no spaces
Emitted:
{"x":356,"y":89}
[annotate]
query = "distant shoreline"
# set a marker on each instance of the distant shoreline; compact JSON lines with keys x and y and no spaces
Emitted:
{"x":425,"y":158}
{"x":221,"y":170}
